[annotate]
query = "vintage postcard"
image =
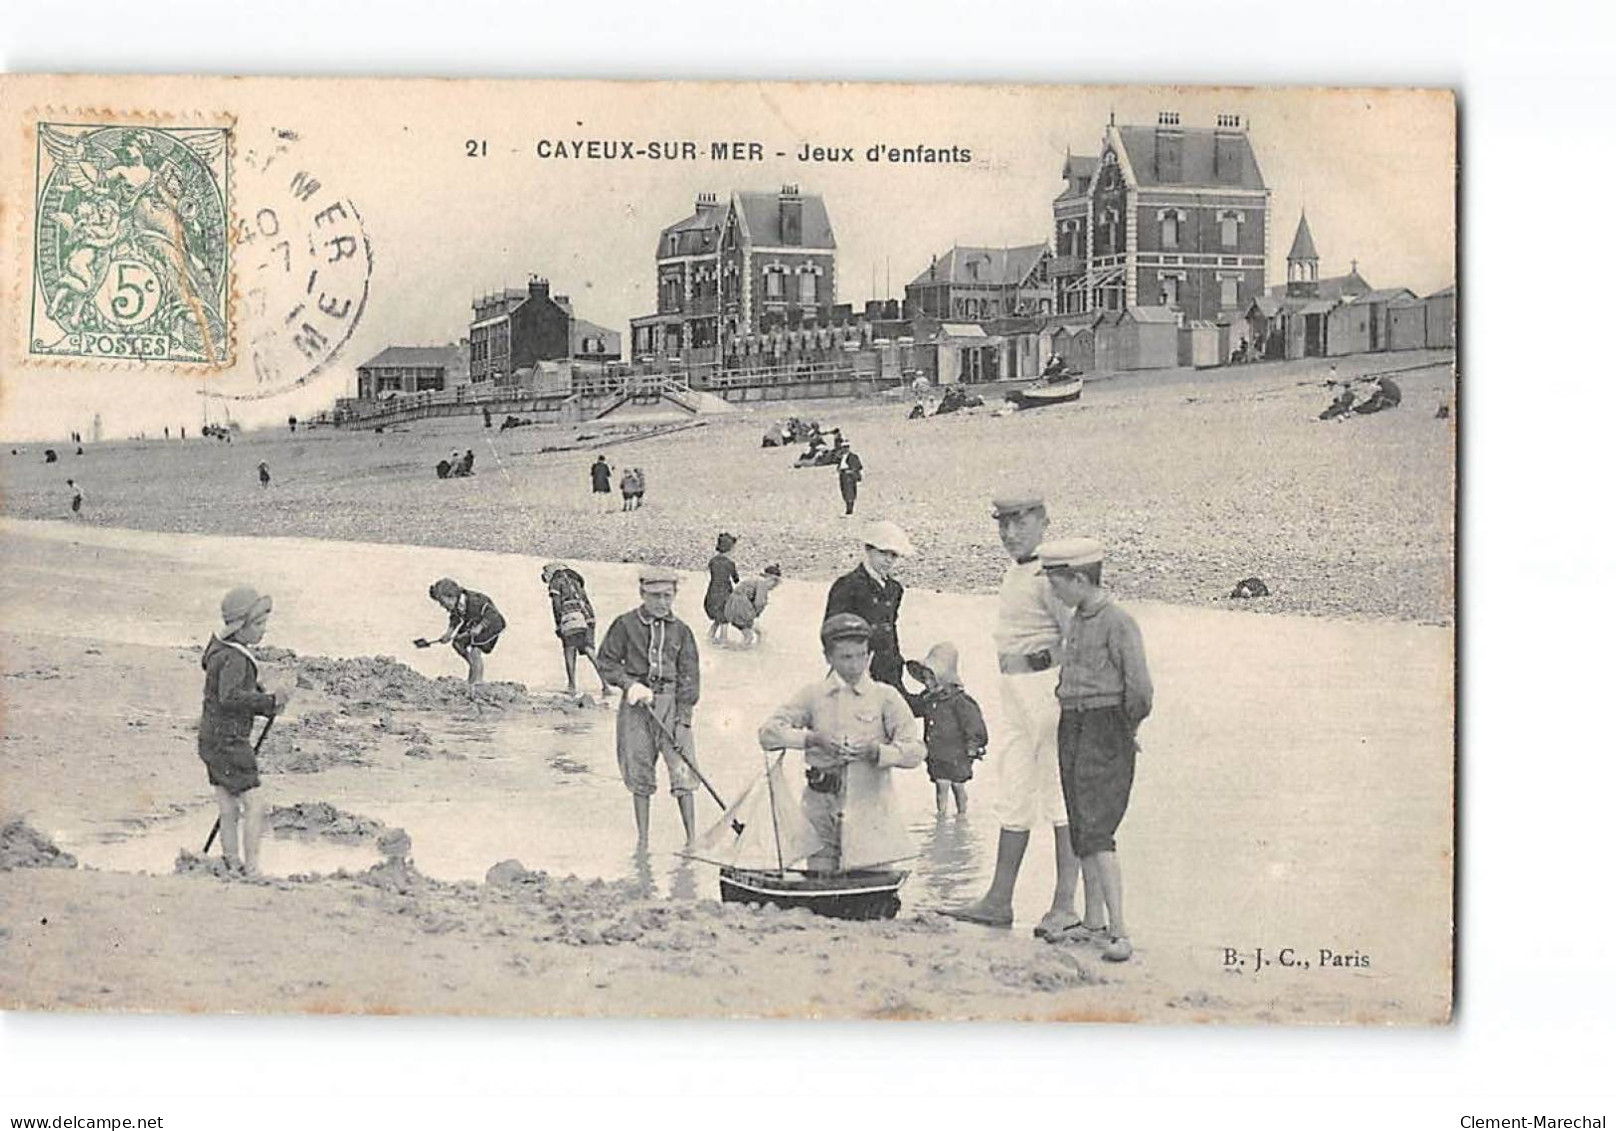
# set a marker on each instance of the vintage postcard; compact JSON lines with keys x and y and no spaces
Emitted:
{"x":727,"y":550}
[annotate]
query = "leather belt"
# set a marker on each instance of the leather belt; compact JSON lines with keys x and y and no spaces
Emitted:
{"x":1039,"y":661}
{"x":824,"y":781}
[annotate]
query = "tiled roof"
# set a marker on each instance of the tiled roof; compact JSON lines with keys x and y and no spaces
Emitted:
{"x":1302,"y":246}
{"x":994,"y":266}
{"x":1389,"y":294}
{"x":414,"y":356}
{"x":1153,"y":314}
{"x":761,"y":211}
{"x":1197,"y":165}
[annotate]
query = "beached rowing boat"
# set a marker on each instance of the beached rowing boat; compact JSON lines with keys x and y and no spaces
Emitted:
{"x":1062,"y":391}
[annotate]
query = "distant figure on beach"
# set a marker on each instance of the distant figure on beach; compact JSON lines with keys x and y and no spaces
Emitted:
{"x":263,"y":473}
{"x":77,"y":503}
{"x":488,"y":418}
{"x":466,"y":462}
{"x":80,"y":450}
{"x":651,"y":654}
{"x":848,"y":476}
{"x":956,"y":735}
{"x":600,"y":482}
{"x":444,"y":467}
{"x":625,"y":484}
{"x":574,"y":622}
{"x":639,"y":487}
{"x":871,"y":592}
{"x":721,"y":578}
{"x":1384,"y":393}
{"x":50,"y":455}
{"x":291,"y":423}
{"x":232,"y":697}
{"x":1340,"y":406}
{"x":747,"y":602}
{"x":165,"y":433}
{"x":474,"y":624}
{"x":182,"y":431}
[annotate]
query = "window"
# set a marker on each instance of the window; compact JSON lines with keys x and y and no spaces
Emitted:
{"x":1229,"y":228}
{"x":1229,"y":290}
{"x":774,"y":284}
{"x":810,"y":288}
{"x":1169,"y":230}
{"x":1169,"y":290}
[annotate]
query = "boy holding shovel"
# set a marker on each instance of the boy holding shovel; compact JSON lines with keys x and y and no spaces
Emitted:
{"x":232,"y":698}
{"x":651,"y":654}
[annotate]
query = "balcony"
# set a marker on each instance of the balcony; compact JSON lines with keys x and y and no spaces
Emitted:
{"x":1067,"y":265}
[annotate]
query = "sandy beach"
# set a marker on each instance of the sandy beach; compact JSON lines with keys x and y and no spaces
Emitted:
{"x":1193,"y":479}
{"x":1295,"y":792}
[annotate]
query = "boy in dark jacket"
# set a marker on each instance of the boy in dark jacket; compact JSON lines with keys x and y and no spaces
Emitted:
{"x":956,"y":734}
{"x":232,"y":698}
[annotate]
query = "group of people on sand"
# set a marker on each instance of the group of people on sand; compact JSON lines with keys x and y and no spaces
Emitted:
{"x":631,"y":484}
{"x":731,"y":602}
{"x":458,"y":465}
{"x":1073,"y":689}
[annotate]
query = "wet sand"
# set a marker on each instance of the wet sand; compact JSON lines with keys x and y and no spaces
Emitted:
{"x":1194,"y":480}
{"x":1294,"y":792}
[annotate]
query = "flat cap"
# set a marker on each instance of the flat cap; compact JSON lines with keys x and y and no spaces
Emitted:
{"x":1066,"y":553}
{"x":844,"y":626}
{"x":888,"y":536}
{"x":1010,"y":502}
{"x":655,"y":574}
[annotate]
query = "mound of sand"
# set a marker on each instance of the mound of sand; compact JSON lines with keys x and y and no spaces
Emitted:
{"x":320,"y":819}
{"x":22,"y":846}
{"x":381,"y":681}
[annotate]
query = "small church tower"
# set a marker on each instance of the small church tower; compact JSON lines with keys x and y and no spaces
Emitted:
{"x":1302,"y":264}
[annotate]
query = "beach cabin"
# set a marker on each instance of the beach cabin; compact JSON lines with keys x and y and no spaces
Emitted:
{"x":1363,"y":324}
{"x":1439,"y":319}
{"x":1405,"y":328}
{"x":1147,"y":338}
{"x":1200,"y":345}
{"x":1072,"y":339}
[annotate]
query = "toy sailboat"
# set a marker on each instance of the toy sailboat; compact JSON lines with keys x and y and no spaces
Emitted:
{"x":762,"y":845}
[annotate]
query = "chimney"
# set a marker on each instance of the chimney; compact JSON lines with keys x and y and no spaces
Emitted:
{"x":1229,"y":122}
{"x":537,"y":286}
{"x":790,"y":216}
{"x":706,"y":202}
{"x":1169,"y":147}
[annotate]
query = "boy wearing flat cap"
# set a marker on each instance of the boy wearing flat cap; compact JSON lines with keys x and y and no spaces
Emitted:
{"x":1105,"y":693}
{"x":869,"y":591}
{"x":232,"y":698}
{"x":651,"y":654}
{"x":853,"y":732}
{"x":1031,"y":622}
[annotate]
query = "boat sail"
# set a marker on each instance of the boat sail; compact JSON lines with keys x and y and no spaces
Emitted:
{"x":774,"y":833}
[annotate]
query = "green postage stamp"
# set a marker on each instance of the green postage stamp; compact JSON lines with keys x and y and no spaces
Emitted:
{"x":131,"y":243}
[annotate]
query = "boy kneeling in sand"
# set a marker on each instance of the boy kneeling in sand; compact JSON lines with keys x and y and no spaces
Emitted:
{"x":1104,"y":694}
{"x":231,"y":698}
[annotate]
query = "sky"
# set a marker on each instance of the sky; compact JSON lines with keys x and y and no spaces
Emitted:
{"x":1374,"y":169}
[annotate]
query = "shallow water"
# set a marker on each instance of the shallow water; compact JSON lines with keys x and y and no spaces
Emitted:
{"x":1278,"y":743}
